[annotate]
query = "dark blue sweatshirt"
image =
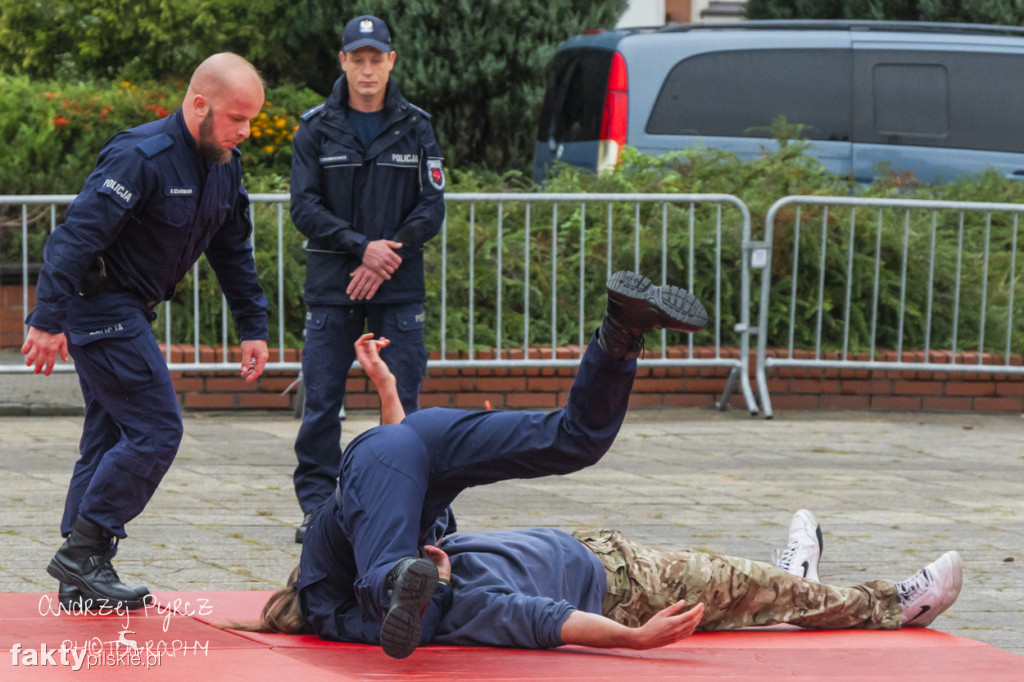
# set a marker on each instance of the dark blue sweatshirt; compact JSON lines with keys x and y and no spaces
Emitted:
{"x":517,"y":588}
{"x":509,"y":588}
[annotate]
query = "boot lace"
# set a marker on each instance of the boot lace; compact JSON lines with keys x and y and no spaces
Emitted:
{"x":101,"y":561}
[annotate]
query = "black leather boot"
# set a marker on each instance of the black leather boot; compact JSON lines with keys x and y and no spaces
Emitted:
{"x":84,"y":561}
{"x":71,"y":599}
{"x":412,"y":583}
{"x":635,"y":306}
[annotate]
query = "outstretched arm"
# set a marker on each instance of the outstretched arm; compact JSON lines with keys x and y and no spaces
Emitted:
{"x":667,"y":626}
{"x":368,"y":353}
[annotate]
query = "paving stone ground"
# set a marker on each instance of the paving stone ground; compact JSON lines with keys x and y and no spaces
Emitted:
{"x":892,"y":492}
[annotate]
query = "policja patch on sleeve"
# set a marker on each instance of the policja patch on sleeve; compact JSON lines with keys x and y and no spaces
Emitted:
{"x":118,"y":191}
{"x":435,"y":172}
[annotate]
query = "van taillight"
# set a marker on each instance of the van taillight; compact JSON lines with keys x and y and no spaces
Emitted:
{"x":614,"y":117}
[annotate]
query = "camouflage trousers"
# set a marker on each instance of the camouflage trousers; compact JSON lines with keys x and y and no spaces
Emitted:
{"x":736,"y":593}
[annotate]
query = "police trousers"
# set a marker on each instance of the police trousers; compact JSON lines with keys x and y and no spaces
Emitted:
{"x":132,"y":426}
{"x":327,"y":356}
{"x":736,"y":593}
{"x":397,"y":480}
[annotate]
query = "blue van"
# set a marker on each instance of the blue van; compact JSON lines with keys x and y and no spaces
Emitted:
{"x":939,"y":100}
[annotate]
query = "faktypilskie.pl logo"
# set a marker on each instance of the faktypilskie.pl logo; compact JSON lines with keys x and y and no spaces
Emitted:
{"x":127,"y":650}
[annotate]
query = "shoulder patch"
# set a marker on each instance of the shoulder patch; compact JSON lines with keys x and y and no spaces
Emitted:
{"x":119,"y":191}
{"x":152,"y":146}
{"x":311,"y":113}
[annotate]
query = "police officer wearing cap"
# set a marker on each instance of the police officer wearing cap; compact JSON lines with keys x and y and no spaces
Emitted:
{"x":161,"y":195}
{"x":367,"y":190}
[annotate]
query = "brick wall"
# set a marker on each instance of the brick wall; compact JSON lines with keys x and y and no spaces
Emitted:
{"x":12,"y":313}
{"x":543,"y":389}
{"x":547,"y":388}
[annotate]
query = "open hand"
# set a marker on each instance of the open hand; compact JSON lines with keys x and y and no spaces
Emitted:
{"x":668,"y":626}
{"x":41,"y":349}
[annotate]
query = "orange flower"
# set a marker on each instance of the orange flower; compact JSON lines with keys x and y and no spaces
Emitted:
{"x":158,"y":110}
{"x":58,"y":121}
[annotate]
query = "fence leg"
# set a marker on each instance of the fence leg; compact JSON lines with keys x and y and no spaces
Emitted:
{"x":730,"y":387}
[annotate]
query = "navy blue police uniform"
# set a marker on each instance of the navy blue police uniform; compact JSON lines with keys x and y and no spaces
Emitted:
{"x":147,"y":212}
{"x":397,"y":481}
{"x":344,"y":194}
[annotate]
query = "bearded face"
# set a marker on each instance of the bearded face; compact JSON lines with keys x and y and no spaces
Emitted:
{"x":208,"y":146}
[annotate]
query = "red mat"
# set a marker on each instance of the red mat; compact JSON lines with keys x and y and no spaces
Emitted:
{"x":178,"y":640}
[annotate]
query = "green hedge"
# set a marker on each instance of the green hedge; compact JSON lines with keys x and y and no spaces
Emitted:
{"x":758,"y":183}
{"x":478,"y":67}
{"x":57,"y":130}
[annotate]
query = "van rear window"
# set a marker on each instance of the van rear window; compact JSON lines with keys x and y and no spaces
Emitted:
{"x":737,"y":93}
{"x":577,"y":81}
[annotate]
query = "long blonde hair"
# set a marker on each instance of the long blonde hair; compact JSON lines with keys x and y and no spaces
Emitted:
{"x":281,"y":613}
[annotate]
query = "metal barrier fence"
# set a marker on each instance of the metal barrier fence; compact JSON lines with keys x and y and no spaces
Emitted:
{"x":951,"y":296}
{"x":547,"y":256}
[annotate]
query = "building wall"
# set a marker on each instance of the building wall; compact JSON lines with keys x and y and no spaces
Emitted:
{"x":660,"y":12}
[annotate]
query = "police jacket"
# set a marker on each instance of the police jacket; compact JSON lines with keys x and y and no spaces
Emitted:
{"x":344,"y":195}
{"x":150,"y":207}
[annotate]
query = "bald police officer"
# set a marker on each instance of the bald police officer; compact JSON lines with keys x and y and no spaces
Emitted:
{"x":161,"y":194}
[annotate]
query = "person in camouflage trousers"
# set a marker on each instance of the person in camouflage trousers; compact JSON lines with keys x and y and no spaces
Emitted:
{"x":733,"y":593}
{"x":541,"y":588}
{"x":736,"y":593}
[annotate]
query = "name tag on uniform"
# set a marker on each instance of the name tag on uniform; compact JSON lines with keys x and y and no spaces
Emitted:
{"x":338,"y":158}
{"x":180,"y":191}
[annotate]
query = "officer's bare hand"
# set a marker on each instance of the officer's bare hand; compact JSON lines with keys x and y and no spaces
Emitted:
{"x":668,"y":626}
{"x":440,"y":559}
{"x":254,"y":359}
{"x":41,"y":349}
{"x":368,"y":354}
{"x":364,"y":284}
{"x":380,"y":257}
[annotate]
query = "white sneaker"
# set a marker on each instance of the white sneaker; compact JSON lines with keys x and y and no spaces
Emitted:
{"x":930,"y":591}
{"x":803,"y":553}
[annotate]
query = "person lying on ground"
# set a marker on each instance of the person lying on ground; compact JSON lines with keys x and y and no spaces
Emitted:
{"x":542,"y":588}
{"x":397,"y":480}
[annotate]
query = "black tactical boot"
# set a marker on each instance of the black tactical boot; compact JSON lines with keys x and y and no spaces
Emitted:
{"x":411,"y":583}
{"x":84,"y":561}
{"x":71,"y":599}
{"x":635,"y":306}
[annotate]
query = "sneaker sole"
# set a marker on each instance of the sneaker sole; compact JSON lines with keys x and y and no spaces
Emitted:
{"x":678,"y":309}
{"x":403,"y":625}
